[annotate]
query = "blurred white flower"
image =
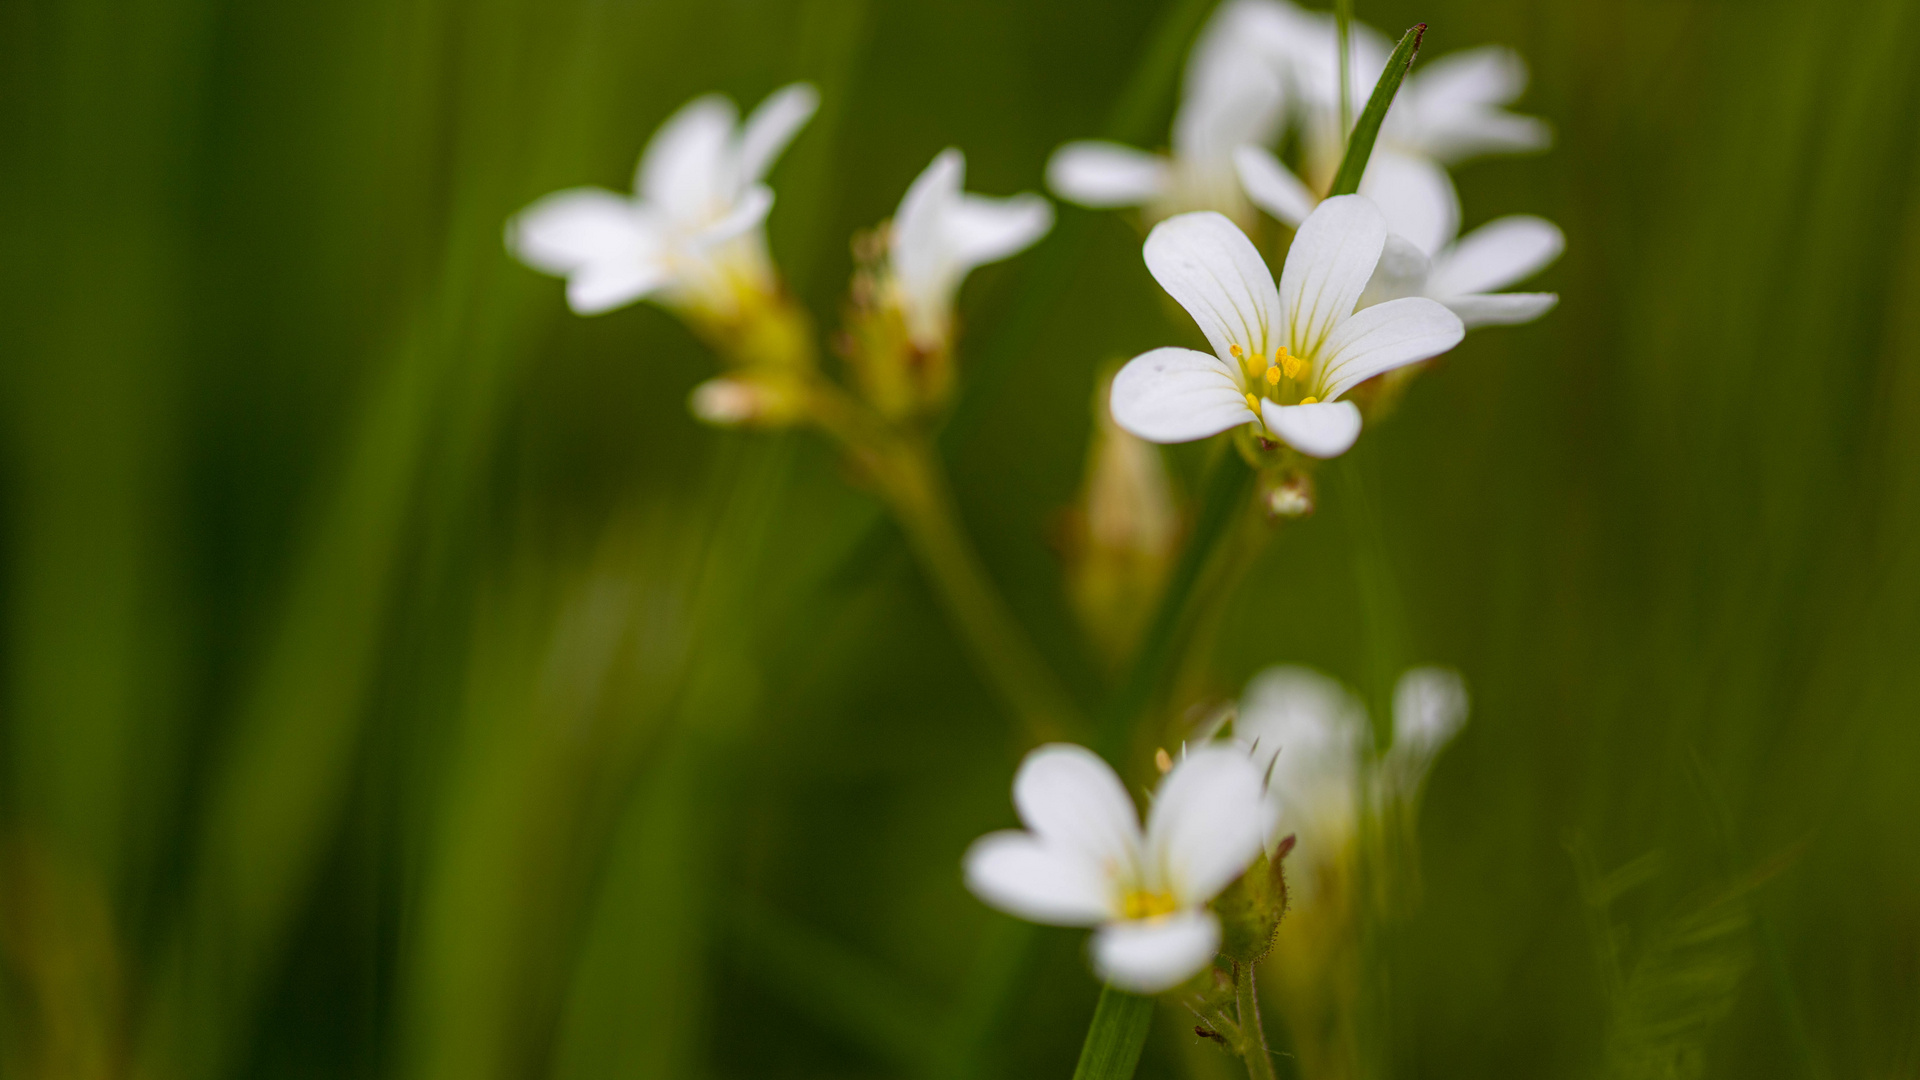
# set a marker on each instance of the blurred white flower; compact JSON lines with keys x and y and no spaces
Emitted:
{"x":1084,"y":860}
{"x":1282,"y":357}
{"x":1445,"y":113}
{"x":941,"y":233}
{"x":690,"y":236}
{"x":1465,"y":272}
{"x":1232,"y":97}
{"x":1312,"y":739}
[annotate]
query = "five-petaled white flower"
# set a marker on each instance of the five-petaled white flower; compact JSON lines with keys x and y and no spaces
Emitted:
{"x":1232,"y":97}
{"x":1085,"y":861}
{"x":941,"y":233}
{"x":690,"y":235}
{"x":1312,"y":739}
{"x":1280,"y":357}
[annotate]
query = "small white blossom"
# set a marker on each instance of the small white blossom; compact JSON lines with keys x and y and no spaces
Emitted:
{"x":1231,"y":97}
{"x":1313,"y":739}
{"x":691,"y":235}
{"x":1282,"y":357}
{"x":941,"y":233}
{"x":1085,"y":861}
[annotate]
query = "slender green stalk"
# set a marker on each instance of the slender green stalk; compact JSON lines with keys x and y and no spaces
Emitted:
{"x":1253,"y":1034}
{"x":1343,"y":21}
{"x":1360,"y":144}
{"x":1116,"y":1036}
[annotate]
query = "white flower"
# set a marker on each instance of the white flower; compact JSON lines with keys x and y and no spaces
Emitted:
{"x":1084,"y":860}
{"x":940,"y":233}
{"x":1308,"y":735}
{"x":1282,"y":357}
{"x":1312,"y":739}
{"x":1465,"y":272}
{"x":691,"y":234}
{"x":1445,"y":112}
{"x":1232,"y":97}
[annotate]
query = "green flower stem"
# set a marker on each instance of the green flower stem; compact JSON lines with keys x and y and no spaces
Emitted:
{"x":1360,"y":143}
{"x":1116,"y":1036}
{"x":904,"y":470}
{"x":1227,"y":488}
{"x":1343,"y":21}
{"x":1253,"y":1034}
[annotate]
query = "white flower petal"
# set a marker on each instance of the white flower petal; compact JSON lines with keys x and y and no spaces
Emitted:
{"x":981,"y":230}
{"x":1429,"y":706}
{"x":1150,"y":956}
{"x":1236,"y":101}
{"x":1417,"y":197}
{"x":1022,"y":876}
{"x":1332,"y":258}
{"x":1324,"y":429}
{"x":1207,"y":823}
{"x":1103,"y":175}
{"x":1384,"y":337}
{"x":1077,"y":807}
{"x":577,"y":227}
{"x":1496,"y":255}
{"x":1501,"y":309}
{"x":1272,"y":186}
{"x":1174,"y":395}
{"x":1307,"y":731}
{"x":747,"y":214}
{"x":772,"y":126}
{"x":1471,"y":133}
{"x":1490,"y":75}
{"x":1403,"y":271}
{"x":1207,"y":264}
{"x":687,"y":169}
{"x":604,"y":286}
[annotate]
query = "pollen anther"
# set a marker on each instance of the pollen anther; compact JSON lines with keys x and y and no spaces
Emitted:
{"x":1273,"y":376}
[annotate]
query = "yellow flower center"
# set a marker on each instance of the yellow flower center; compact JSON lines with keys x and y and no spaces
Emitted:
{"x":1280,"y":379}
{"x":1141,"y":904}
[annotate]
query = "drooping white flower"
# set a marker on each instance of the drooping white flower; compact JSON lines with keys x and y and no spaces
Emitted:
{"x":1085,"y":861}
{"x":1465,"y":273}
{"x":1231,"y":97}
{"x":1281,"y":357}
{"x":1429,"y":708}
{"x":691,"y":234}
{"x":941,"y":233}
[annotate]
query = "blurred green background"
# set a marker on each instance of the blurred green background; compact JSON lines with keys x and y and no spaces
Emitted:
{"x":397,"y":681}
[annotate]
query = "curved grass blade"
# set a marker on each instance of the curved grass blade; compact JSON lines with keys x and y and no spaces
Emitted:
{"x":1116,"y":1036}
{"x":1360,"y":142}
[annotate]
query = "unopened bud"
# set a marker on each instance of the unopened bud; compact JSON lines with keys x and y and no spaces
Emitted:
{"x":735,"y":400}
{"x":1291,"y":498}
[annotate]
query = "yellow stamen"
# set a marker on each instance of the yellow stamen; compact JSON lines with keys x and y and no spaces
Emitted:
{"x":1163,"y":761}
{"x":1253,"y":403}
{"x":1141,"y":904}
{"x":1235,"y":350}
{"x":1292,"y":365}
{"x":1308,"y":400}
{"x":1273,"y":376}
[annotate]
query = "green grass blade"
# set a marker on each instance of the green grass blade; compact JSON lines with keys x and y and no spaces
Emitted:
{"x":1360,"y":142}
{"x":1116,"y":1036}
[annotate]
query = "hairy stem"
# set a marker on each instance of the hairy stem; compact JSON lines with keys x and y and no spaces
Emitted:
{"x":1253,"y":1034}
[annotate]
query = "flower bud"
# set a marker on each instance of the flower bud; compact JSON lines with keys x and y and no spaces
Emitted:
{"x":760,"y":400}
{"x":1251,"y":908}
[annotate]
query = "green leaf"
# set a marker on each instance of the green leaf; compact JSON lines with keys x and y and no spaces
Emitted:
{"x":1116,"y":1036}
{"x":1360,"y":142}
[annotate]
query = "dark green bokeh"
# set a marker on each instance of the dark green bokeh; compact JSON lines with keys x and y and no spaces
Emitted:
{"x":398,"y":682}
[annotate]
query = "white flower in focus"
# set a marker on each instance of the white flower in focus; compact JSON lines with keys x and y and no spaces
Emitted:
{"x":1281,"y":357}
{"x":1084,"y":860}
{"x":941,"y":233}
{"x":1309,"y":736}
{"x":1465,"y":273}
{"x":690,"y":235}
{"x":1232,"y":97}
